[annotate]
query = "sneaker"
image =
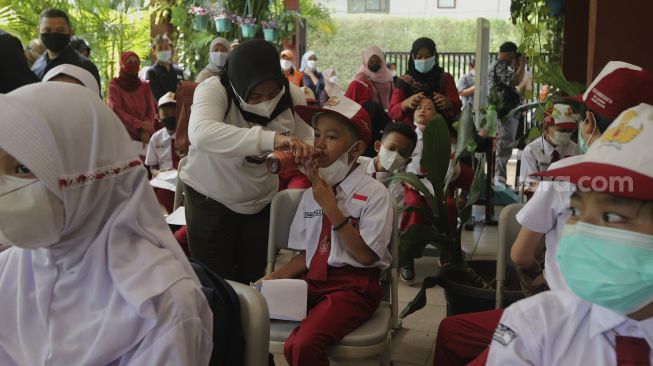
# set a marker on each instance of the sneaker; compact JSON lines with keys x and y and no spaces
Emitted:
{"x":407,"y":273}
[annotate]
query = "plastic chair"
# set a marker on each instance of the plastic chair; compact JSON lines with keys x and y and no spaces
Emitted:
{"x":179,"y":189}
{"x":371,"y":339}
{"x":508,"y":230}
{"x":255,"y":320}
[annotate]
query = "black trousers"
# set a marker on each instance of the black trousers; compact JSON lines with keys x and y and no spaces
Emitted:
{"x":231,"y":244}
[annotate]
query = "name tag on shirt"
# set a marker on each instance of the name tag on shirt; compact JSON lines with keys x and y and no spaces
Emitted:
{"x":312,"y":214}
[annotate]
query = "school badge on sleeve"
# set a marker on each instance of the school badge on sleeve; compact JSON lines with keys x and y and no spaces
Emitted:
{"x":503,"y":334}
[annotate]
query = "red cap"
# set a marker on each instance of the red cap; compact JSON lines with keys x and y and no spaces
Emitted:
{"x":561,"y":115}
{"x":618,"y":86}
{"x":344,"y":107}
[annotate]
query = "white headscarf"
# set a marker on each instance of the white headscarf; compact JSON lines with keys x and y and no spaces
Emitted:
{"x":304,"y":66}
{"x":215,"y":68}
{"x":89,"y":298}
{"x":76,"y":72}
{"x":332,"y":89}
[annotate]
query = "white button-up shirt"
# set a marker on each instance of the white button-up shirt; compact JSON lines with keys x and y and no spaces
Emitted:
{"x":546,"y":213}
{"x":537,"y":157}
{"x":159,"y":150}
{"x":396,"y":188}
{"x":363,"y":198}
{"x":558,"y":328}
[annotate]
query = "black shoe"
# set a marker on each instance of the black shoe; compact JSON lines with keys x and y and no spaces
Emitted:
{"x":407,"y":273}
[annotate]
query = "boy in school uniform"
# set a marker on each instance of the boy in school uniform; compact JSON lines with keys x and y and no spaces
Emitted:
{"x":161,"y":155}
{"x":343,"y":226}
{"x":605,"y":255}
{"x":555,"y":144}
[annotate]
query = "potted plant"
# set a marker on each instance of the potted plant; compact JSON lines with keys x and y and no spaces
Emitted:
{"x":465,"y":289}
{"x":269,"y":30}
{"x":200,"y":17}
{"x":247,"y":26}
{"x":222,"y":21}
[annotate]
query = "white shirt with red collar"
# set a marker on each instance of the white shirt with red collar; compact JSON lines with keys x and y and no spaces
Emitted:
{"x":363,"y":198}
{"x":537,"y":157}
{"x":159,"y":150}
{"x":558,"y":328}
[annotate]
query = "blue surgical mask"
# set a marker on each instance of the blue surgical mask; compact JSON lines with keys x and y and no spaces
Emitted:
{"x":607,"y":266}
{"x":426,"y":65}
{"x":164,"y":56}
{"x":582,"y":145}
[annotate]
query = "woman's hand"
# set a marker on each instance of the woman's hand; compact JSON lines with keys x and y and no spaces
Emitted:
{"x":301,"y":150}
{"x":412,"y":102}
{"x":147,"y":126}
{"x":145,"y":138}
{"x":441,"y":102}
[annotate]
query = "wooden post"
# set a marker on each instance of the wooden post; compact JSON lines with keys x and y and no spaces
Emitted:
{"x":293,"y":41}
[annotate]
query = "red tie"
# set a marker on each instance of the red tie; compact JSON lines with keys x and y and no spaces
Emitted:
{"x":318,"y":269}
{"x":555,"y":156}
{"x":173,"y":153}
{"x":632,"y":351}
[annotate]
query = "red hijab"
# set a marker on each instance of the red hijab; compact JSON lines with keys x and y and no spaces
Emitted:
{"x":128,"y":77}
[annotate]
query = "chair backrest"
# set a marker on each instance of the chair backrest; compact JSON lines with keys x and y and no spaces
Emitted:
{"x":255,"y":321}
{"x":508,"y":231}
{"x":394,"y":267}
{"x":282,"y":211}
{"x":179,"y":189}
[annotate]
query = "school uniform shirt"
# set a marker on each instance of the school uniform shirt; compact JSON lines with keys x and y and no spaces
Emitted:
{"x":359,"y":196}
{"x":159,"y":150}
{"x":547,"y":212}
{"x":558,"y":328}
{"x":396,"y":189}
{"x":163,"y":80}
{"x":537,"y":157}
{"x":226,"y":158}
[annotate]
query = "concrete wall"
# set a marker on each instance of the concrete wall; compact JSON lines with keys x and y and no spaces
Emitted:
{"x":464,"y":8}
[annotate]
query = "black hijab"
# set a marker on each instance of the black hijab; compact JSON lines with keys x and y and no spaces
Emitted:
{"x":14,"y":71}
{"x":414,"y":81}
{"x":250,"y":64}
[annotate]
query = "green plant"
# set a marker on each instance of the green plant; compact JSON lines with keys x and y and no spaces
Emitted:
{"x":439,"y":168}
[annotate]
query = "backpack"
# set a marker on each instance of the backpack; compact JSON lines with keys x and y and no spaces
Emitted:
{"x":509,"y":95}
{"x":228,"y":337}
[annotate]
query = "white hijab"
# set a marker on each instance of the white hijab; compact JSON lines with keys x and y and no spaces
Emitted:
{"x":304,"y":65}
{"x":88,"y":299}
{"x":76,"y":72}
{"x":210,"y":66}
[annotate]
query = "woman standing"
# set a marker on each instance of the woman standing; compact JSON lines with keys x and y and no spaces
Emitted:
{"x":218,"y":53}
{"x":236,"y":121}
{"x":373,"y":80}
{"x":424,"y":77}
{"x":131,"y":99}
{"x":313,"y":79}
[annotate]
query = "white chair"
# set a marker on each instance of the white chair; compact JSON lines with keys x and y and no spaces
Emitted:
{"x":255,"y":321}
{"x":508,"y":230}
{"x":179,"y":189}
{"x":370,"y":340}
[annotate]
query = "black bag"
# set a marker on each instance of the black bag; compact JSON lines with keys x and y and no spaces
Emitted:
{"x":509,"y":96}
{"x":228,"y":337}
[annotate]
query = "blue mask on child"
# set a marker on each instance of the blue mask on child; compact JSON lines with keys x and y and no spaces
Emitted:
{"x":582,"y":145}
{"x":607,"y":266}
{"x":425,"y":66}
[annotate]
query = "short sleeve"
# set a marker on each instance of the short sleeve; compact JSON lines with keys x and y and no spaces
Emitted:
{"x":375,"y":223}
{"x":151,"y":159}
{"x":541,"y":211}
{"x":513,"y":341}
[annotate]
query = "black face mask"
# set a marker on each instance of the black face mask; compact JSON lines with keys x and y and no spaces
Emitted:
{"x":374,"y":67}
{"x":55,"y":42}
{"x":170,"y":123}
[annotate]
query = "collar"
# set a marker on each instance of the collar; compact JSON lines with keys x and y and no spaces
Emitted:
{"x":547,"y":147}
{"x":420,"y":133}
{"x":603,"y":319}
{"x":350,"y":182}
{"x":68,"y":54}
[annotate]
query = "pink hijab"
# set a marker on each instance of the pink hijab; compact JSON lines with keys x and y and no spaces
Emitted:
{"x":381,"y":81}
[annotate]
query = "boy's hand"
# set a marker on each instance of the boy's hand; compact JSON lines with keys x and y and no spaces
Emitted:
{"x":441,"y":101}
{"x":322,"y":191}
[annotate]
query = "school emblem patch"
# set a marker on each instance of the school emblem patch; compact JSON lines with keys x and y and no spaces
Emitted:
{"x":332,"y":101}
{"x":503,"y":334}
{"x":622,"y":133}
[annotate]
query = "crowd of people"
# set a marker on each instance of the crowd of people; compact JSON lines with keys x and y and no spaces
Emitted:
{"x":87,"y":258}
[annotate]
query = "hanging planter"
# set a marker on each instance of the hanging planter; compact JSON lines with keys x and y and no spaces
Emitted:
{"x":247,"y":30}
{"x":269,"y":34}
{"x":223,"y":25}
{"x":200,"y":18}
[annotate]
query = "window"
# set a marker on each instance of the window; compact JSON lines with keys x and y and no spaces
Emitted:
{"x":446,"y":4}
{"x":368,"y":6}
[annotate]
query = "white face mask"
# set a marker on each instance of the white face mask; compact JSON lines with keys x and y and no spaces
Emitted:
{"x":391,"y":160}
{"x":285,"y":64}
{"x":334,"y":79}
{"x":218,"y":58}
{"x":30,"y":216}
{"x":311,"y":64}
{"x":394,"y":73}
{"x":560,"y":138}
{"x":263,"y":109}
{"x":337,"y":171}
{"x":163,"y":56}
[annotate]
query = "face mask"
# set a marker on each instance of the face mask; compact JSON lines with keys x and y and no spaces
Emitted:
{"x":311,"y":64}
{"x":394,"y":73}
{"x":391,"y":160}
{"x":55,"y":42}
{"x":336,"y":172}
{"x":218,"y":58}
{"x":170,"y":123}
{"x":606,"y":266}
{"x":560,"y":138}
{"x":582,"y":145}
{"x":285,"y":64}
{"x":334,"y":79}
{"x":132,"y":69}
{"x":263,"y":109}
{"x":426,"y":65}
{"x":25,"y":204}
{"x":163,"y":56}
{"x":374,"y":67}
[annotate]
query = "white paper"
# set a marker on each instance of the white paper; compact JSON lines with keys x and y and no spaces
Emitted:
{"x":166,"y":180}
{"x":286,"y":298}
{"x":177,"y":217}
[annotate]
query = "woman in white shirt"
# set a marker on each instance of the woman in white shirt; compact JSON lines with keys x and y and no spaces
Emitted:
{"x":94,"y":276}
{"x":236,"y":120}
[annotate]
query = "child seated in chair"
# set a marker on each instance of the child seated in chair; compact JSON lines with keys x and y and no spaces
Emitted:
{"x":343,"y":226}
